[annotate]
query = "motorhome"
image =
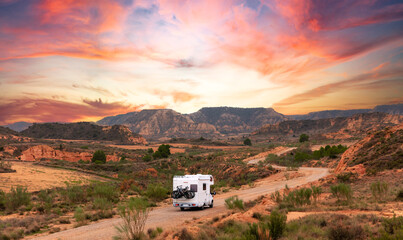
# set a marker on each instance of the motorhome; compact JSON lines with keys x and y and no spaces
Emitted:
{"x":193,"y":191}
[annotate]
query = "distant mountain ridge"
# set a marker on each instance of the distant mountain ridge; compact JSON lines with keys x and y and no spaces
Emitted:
{"x":83,"y":131}
{"x":356,"y":124}
{"x":19,"y":126}
{"x":206,"y":122}
{"x":395,"y":109}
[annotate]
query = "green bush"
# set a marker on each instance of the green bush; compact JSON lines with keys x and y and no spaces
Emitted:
{"x":79,"y":215}
{"x":247,"y":142}
{"x":104,"y":190}
{"x":150,"y":151}
{"x":16,"y":198}
{"x":156,"y":192}
{"x":234,"y":203}
{"x":102,"y":204}
{"x":379,"y":190}
{"x":276,"y":224}
{"x":45,"y":198}
{"x":345,"y":177}
{"x":2,"y":200}
{"x":147,"y":157}
{"x":303,"y":138}
{"x":342,"y":192}
{"x":74,"y":194}
{"x":298,"y":197}
{"x":399,"y":196}
{"x":316,"y":192}
{"x":393,"y":225}
{"x":99,"y":157}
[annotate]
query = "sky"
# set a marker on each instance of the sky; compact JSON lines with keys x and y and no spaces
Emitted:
{"x":73,"y":60}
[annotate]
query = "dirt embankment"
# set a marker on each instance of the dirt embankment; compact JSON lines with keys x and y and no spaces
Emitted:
{"x":39,"y":152}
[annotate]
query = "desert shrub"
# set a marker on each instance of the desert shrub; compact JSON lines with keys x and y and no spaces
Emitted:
{"x":276,"y":224}
{"x":102,"y":204}
{"x":104,"y":190}
{"x":345,"y":177}
{"x":150,"y":151}
{"x":393,"y":225}
{"x":147,"y":158}
{"x":346,"y":232}
{"x":153,"y":233}
{"x":79,"y":216}
{"x":316,"y":192}
{"x":2,"y":200}
{"x":234,"y":203}
{"x":184,"y":234}
{"x":16,"y":198}
{"x":84,"y":147}
{"x":257,"y":215}
{"x":276,"y":196}
{"x":379,"y":190}
{"x":298,"y":197}
{"x":134,"y":214}
{"x":156,"y":192}
{"x":99,"y":157}
{"x":399,"y":195}
{"x":342,"y":192}
{"x":45,"y":198}
{"x":74,"y":194}
{"x":247,"y":142}
{"x":123,"y":159}
{"x":303,"y":138}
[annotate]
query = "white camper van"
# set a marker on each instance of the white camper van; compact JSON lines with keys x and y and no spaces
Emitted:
{"x":192,"y":191}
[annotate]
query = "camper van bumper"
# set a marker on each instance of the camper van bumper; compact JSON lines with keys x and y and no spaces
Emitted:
{"x":187,"y":205}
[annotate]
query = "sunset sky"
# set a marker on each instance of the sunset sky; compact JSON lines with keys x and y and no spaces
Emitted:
{"x":82,"y":60}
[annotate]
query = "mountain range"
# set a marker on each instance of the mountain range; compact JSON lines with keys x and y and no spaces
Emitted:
{"x":214,"y":121}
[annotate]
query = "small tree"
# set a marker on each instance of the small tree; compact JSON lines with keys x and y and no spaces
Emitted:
{"x":247,"y":142}
{"x":162,"y":152}
{"x":303,"y":138}
{"x":99,"y":157}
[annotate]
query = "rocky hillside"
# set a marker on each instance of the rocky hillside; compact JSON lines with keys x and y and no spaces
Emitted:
{"x":237,"y":120}
{"x":206,"y":122}
{"x":348,"y":126}
{"x":7,"y":131}
{"x":394,"y":109}
{"x":378,"y":151}
{"x":83,"y":131}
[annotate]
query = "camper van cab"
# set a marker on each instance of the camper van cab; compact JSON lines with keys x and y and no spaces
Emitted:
{"x":192,"y":191}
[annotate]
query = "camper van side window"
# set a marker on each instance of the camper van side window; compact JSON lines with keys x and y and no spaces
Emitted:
{"x":193,"y":187}
{"x":204,"y":186}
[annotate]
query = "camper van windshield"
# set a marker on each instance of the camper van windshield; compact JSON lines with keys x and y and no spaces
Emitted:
{"x":193,"y":187}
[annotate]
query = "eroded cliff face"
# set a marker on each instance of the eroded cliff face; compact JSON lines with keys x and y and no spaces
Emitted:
{"x":379,"y":150}
{"x":39,"y":152}
{"x":162,"y":123}
{"x":207,"y":122}
{"x":343,"y":127}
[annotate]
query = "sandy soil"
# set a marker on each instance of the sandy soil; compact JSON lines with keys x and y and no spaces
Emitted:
{"x":170,"y":217}
{"x":36,"y":177}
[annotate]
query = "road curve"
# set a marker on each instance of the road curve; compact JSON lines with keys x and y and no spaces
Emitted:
{"x":168,"y":217}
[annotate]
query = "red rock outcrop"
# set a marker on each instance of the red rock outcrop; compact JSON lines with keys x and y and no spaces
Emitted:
{"x":39,"y":152}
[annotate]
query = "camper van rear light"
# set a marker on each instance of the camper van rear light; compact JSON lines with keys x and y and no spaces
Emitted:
{"x":193,"y":204}
{"x":177,"y":204}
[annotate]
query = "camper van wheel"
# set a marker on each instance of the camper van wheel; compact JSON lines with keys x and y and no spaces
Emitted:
{"x":182,"y":209}
{"x":212,"y":203}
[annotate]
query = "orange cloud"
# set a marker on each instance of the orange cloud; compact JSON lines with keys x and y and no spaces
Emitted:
{"x":361,"y":81}
{"x":50,"y":110}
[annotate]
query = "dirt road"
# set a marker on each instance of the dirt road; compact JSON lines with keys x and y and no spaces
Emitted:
{"x":169,"y":217}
